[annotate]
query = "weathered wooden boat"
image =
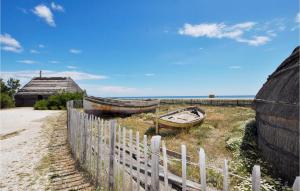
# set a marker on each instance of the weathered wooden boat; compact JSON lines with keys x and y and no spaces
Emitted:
{"x":99,"y":106}
{"x":182,"y":118}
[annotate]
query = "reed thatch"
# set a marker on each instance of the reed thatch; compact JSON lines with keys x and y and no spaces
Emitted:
{"x":43,"y":87}
{"x":277,"y":117}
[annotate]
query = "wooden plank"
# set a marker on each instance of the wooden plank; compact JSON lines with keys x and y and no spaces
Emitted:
{"x":91,"y":141}
{"x":111,"y":178}
{"x":156,"y":117}
{"x":85,"y":140}
{"x":256,"y":178}
{"x":124,"y":158}
{"x":103,"y":150}
{"x":145,"y":162}
{"x":225,"y":176}
{"x":137,"y":141}
{"x":104,"y":154}
{"x":165,"y":161}
{"x":202,"y":169}
{"x":130,"y":159}
{"x":155,"y":151}
{"x":99,"y":151}
{"x":183,"y":160}
{"x":119,"y":158}
{"x":176,"y":154}
{"x":296,"y":185}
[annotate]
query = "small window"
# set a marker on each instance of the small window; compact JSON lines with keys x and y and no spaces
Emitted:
{"x":40,"y":97}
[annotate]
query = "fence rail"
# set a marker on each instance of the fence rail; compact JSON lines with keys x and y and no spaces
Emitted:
{"x":210,"y":101}
{"x":116,"y":160}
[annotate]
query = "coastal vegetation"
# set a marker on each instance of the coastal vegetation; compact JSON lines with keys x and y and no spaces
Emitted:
{"x":58,"y":100}
{"x":8,"y":90}
{"x":226,"y":133}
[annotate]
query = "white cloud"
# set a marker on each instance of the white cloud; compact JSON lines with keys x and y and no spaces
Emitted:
{"x":109,"y":90}
{"x":255,"y":41}
{"x":33,"y":51}
{"x":27,"y":61}
{"x":75,"y":51}
{"x":149,"y":74}
{"x":57,"y":7}
{"x":220,"y":30}
{"x":41,"y":46}
{"x":11,"y":49}
{"x":45,"y":13}
{"x":26,"y":75}
{"x":8,"y":43}
{"x":54,"y":61}
{"x":215,"y":30}
{"x":297,"y":19}
{"x":116,"y":89}
{"x":22,"y":10}
{"x":72,"y":67}
{"x":234,"y":67}
{"x":271,"y":33}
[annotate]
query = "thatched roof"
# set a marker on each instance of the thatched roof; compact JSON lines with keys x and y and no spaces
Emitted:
{"x":49,"y":86}
{"x":280,"y":94}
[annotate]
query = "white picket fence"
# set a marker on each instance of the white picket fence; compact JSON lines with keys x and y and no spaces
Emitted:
{"x":117,"y":161}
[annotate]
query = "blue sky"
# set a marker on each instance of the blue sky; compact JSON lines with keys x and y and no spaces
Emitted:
{"x":149,"y":48}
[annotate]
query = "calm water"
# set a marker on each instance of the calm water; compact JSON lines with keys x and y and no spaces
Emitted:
{"x":190,"y":97}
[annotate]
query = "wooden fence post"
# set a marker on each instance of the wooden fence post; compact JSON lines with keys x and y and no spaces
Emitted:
{"x":99,"y":150}
{"x":256,"y":178}
{"x":146,"y":161}
{"x":130,"y":159}
{"x":183,"y":163}
{"x":155,"y":151}
{"x":165,"y":161}
{"x":156,"y":123}
{"x":202,"y":169}
{"x":119,"y":157}
{"x":111,"y":156}
{"x":91,"y":142}
{"x":85,"y":139}
{"x":225,"y":178}
{"x":296,"y":185}
{"x":124,"y":159}
{"x":137,"y":140}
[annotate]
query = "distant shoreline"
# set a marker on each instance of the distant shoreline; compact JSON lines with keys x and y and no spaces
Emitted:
{"x":188,"y":97}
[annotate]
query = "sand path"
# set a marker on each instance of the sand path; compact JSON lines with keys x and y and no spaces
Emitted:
{"x":23,"y":146}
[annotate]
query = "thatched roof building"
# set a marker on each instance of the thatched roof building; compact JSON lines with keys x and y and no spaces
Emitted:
{"x":277,"y":116}
{"x":42,"y":87}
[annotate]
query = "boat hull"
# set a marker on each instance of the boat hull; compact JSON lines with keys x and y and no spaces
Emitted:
{"x":98,"y":109}
{"x":162,"y":123}
{"x":171,"y":125}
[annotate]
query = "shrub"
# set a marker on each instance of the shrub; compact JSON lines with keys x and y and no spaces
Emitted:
{"x":54,"y":108}
{"x":6,"y":101}
{"x":41,"y":105}
{"x":58,"y":101}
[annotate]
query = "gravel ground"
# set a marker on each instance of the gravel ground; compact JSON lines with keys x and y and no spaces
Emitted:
{"x":24,"y":140}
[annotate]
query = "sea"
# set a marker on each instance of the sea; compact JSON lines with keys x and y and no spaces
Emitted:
{"x":188,"y":97}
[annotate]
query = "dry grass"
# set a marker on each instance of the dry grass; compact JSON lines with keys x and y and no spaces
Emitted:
{"x":12,"y":134}
{"x":221,"y":124}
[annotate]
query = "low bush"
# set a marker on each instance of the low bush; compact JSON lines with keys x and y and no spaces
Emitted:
{"x":6,"y":101}
{"x":57,"y":101}
{"x":41,"y":105}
